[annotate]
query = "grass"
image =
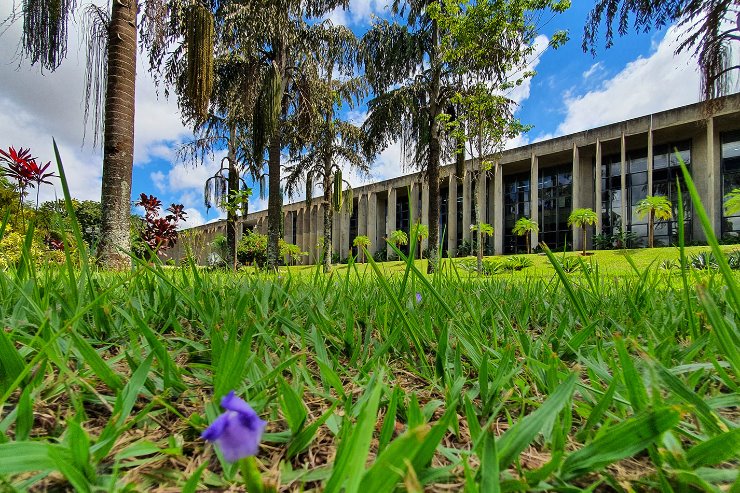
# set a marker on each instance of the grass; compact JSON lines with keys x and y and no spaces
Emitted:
{"x":565,"y":382}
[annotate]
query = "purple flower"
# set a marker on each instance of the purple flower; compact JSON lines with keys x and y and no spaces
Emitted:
{"x":418,"y":297}
{"x":238,"y":431}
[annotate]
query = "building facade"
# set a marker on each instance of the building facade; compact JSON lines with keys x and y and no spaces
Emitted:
{"x":608,"y":169}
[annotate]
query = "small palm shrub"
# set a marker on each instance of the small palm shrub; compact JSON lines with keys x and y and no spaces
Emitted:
{"x":703,"y":261}
{"x":734,"y":259}
{"x":516,"y":262}
{"x":670,"y":264}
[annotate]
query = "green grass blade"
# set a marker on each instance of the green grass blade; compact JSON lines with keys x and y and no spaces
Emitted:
{"x":619,"y":442}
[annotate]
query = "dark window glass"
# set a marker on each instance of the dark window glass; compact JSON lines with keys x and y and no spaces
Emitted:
{"x":730,"y":179}
{"x":516,"y":205}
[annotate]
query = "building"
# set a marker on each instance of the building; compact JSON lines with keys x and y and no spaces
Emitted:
{"x":608,"y":169}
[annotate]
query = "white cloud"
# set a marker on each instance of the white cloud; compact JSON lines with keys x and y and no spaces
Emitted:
{"x":646,"y":85}
{"x":194,"y":218}
{"x":594,"y":69}
{"x":36,"y":106}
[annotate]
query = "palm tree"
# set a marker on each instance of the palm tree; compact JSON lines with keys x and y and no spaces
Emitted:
{"x":581,"y":218}
{"x":398,"y":238}
{"x":361,"y":242}
{"x":421,"y":231}
{"x":334,"y":141}
{"x":111,"y":81}
{"x":655,"y":207}
{"x":483,"y":229}
{"x":284,"y":117}
{"x":525,"y":227}
{"x":404,"y":68}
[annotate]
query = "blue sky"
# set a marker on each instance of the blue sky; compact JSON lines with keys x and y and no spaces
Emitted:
{"x":572,"y":91}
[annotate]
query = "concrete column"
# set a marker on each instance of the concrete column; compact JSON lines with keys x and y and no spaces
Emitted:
{"x":490,"y":194}
{"x":481,"y":203}
{"x":466,"y":207}
{"x":650,"y":158}
{"x":625,"y":220}
{"x":307,"y":234}
{"x":425,"y":213}
{"x":288,"y":230}
{"x":713,"y":200}
{"x":390,"y":221}
{"x":344,"y":233}
{"x":452,"y":216}
{"x":413,"y":198}
{"x":335,"y":232}
{"x":498,"y":199}
{"x":320,"y":229}
{"x":362,"y":215}
{"x":534,"y":196}
{"x":577,"y":184}
{"x":299,"y":227}
{"x":372,"y":221}
{"x":597,"y":185}
{"x":312,"y":236}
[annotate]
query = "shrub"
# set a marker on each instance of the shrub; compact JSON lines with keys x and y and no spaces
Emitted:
{"x":603,"y":242}
{"x":734,"y":259}
{"x":379,"y":256}
{"x":670,"y":264}
{"x":252,"y":249}
{"x":569,"y":264}
{"x":703,"y":261}
{"x":517,"y":262}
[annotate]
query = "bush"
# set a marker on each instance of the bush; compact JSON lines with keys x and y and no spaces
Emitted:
{"x":670,"y":264}
{"x":466,"y":249}
{"x":379,"y":256}
{"x":252,"y":249}
{"x":703,"y":261}
{"x":517,"y":262}
{"x":734,"y":259}
{"x":570,"y":264}
{"x":603,"y":242}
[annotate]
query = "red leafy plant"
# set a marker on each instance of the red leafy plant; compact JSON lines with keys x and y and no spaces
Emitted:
{"x":25,"y":170}
{"x":160,"y":232}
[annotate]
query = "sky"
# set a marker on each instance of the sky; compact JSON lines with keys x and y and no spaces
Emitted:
{"x":572,"y":91}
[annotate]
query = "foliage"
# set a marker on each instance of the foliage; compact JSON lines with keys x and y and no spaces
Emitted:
{"x":581,"y":218}
{"x":655,"y":207}
{"x":253,"y":250}
{"x":626,"y":239}
{"x":711,"y":30}
{"x":398,"y":238}
{"x":732,"y":202}
{"x":603,"y":241}
{"x":25,"y":170}
{"x":159,"y":232}
{"x":516,"y":263}
{"x":525,"y":227}
{"x":704,"y":261}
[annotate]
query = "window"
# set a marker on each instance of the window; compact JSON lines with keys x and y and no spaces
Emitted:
{"x":666,"y":169}
{"x":730,"y":155}
{"x":516,"y":205}
{"x":554,"y":205}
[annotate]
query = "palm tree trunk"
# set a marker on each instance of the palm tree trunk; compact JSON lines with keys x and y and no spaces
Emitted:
{"x":434,"y":154}
{"x":274,"y":201}
{"x":233,"y":190}
{"x":118,"y":146}
{"x":584,"y":240}
{"x":328,"y":219}
{"x":526,"y":240}
{"x":651,"y":231}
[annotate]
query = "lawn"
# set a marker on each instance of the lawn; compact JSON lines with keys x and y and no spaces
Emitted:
{"x":610,"y":263}
{"x":372,"y":383}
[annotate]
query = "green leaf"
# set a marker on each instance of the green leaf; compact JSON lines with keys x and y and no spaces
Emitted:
{"x":489,"y":471}
{"x":724,"y":447}
{"x":304,"y":438}
{"x":355,"y":446}
{"x":22,"y":457}
{"x":619,"y":442}
{"x":191,"y":486}
{"x":388,"y":468}
{"x":11,"y":362}
{"x":292,"y":406}
{"x":24,"y":419}
{"x":519,"y":436}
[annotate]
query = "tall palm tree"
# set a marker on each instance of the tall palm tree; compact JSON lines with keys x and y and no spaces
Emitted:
{"x":525,"y":227}
{"x":483,"y":229}
{"x":655,"y":207}
{"x":111,"y":81}
{"x":421,"y":231}
{"x":405,"y":70}
{"x":581,"y":218}
{"x":335,"y":142}
{"x":288,"y":47}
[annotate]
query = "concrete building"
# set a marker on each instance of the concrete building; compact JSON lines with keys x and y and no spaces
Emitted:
{"x":608,"y":169}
